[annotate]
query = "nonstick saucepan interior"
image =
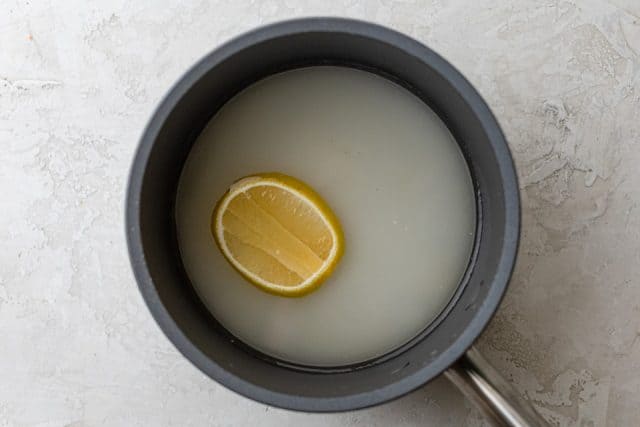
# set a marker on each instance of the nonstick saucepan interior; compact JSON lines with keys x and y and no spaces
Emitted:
{"x":167,"y":291}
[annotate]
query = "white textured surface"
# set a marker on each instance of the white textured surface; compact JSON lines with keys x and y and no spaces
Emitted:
{"x":78,"y":82}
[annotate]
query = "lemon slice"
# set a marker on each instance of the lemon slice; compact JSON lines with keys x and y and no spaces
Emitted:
{"x":278,"y":233}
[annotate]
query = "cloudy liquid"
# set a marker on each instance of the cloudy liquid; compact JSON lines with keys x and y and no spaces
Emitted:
{"x":393,"y":175}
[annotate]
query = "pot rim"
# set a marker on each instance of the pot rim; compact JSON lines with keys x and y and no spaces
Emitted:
{"x":503,"y":159}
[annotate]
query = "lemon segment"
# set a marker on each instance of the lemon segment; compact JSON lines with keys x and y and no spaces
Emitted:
{"x":278,"y":233}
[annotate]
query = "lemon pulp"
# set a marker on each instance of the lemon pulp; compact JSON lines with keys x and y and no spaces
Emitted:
{"x":278,"y":233}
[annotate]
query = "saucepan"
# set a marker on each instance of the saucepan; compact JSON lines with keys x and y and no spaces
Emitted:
{"x":446,"y":345}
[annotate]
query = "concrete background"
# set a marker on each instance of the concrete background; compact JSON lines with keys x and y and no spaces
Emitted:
{"x":79,"y":79}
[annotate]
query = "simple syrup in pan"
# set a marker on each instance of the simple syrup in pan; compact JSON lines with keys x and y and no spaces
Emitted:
{"x":393,"y":175}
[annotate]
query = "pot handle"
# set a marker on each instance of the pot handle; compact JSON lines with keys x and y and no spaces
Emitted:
{"x":499,"y":401}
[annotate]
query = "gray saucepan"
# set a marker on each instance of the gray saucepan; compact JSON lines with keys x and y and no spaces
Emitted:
{"x":445,"y":346}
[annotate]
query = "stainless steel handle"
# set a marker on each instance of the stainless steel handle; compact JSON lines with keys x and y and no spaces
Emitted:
{"x":498,"y":400}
